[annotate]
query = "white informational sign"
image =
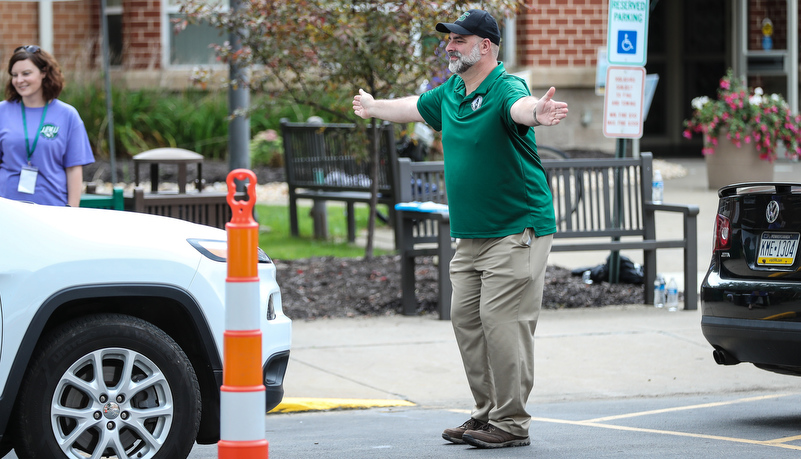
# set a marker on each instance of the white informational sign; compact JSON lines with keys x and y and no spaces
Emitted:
{"x":600,"y":72}
{"x":623,"y":102}
{"x":627,"y":41}
{"x":650,"y":90}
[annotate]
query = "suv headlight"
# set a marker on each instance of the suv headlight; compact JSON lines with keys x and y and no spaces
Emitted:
{"x":217,"y":250}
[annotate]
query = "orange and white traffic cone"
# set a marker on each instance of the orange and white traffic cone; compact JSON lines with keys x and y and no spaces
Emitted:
{"x":242,"y":395}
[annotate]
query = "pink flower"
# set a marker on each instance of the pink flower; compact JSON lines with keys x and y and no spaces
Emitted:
{"x":743,"y":114}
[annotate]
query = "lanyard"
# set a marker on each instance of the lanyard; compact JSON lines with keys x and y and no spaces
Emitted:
{"x":25,"y":128}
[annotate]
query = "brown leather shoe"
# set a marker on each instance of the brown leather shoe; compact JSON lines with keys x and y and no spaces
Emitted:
{"x":455,"y":435}
{"x":490,"y":436}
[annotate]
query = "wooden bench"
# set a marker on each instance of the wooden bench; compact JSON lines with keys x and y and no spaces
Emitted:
{"x":209,"y":208}
{"x":423,"y":233}
{"x":329,"y":162}
{"x":588,"y":214}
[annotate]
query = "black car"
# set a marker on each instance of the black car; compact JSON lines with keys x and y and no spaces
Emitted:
{"x":751,"y":295}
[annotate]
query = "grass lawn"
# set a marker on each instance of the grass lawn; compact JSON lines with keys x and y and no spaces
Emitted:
{"x":274,"y":235}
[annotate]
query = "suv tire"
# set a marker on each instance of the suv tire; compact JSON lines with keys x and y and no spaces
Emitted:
{"x":147,"y":403}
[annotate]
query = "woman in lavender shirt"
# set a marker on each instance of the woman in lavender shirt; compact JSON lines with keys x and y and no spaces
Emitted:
{"x":43,"y":142}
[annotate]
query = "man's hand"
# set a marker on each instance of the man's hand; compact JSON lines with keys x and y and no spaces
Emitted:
{"x":361,"y":104}
{"x":403,"y":110}
{"x":548,"y":112}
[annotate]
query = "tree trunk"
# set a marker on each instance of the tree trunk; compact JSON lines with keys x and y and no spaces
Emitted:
{"x":375,"y":143}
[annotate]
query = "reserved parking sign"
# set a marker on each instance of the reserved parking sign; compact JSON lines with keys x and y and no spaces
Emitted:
{"x":627,"y":40}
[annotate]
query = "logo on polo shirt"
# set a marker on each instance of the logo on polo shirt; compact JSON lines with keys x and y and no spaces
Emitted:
{"x":49,"y":131}
{"x":477,"y":103}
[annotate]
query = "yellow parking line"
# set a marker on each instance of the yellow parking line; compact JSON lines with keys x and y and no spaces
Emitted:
{"x":690,"y":407}
{"x":783,"y":440}
{"x":297,"y":404}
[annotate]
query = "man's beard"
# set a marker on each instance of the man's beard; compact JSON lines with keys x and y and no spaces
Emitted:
{"x":463,"y":63}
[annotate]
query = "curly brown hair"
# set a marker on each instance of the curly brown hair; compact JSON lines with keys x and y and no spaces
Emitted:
{"x":53,"y":82}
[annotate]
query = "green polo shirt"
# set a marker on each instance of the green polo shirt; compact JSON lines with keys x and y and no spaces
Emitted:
{"x":495,"y":182}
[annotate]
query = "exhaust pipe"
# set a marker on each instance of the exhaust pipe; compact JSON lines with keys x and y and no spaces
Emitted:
{"x":724,"y":358}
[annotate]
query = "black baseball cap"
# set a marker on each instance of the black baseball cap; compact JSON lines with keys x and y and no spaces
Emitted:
{"x":474,"y":22}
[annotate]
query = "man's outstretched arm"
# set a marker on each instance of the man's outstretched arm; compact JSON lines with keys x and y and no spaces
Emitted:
{"x":402,"y":110}
{"x":530,"y":111}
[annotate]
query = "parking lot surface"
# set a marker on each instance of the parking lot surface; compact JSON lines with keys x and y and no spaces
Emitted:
{"x":737,"y":426}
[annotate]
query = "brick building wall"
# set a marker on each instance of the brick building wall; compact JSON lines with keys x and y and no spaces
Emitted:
{"x":75,"y":29}
{"x":551,"y":33}
{"x":76,"y":32}
{"x":561,"y":33}
{"x":141,"y":25}
{"x":20,"y":26}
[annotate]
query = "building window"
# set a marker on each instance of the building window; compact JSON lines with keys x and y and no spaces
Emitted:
{"x":114,"y":22}
{"x":191,"y":46}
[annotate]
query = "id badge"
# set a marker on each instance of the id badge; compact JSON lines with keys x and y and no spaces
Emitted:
{"x":27,"y":179}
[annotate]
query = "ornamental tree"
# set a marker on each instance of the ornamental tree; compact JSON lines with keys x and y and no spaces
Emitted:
{"x":303,"y":48}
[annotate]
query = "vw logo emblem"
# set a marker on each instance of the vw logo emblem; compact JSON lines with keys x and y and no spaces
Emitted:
{"x":772,"y":212}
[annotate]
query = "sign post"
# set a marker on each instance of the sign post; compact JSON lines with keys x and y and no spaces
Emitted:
{"x":627,"y":49}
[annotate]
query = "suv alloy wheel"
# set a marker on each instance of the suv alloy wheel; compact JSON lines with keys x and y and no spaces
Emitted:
{"x":108,"y":385}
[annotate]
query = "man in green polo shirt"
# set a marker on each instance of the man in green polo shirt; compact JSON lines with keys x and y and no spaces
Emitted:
{"x":501,"y":213}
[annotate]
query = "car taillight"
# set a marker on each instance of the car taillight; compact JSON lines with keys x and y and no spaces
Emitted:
{"x":722,"y":233}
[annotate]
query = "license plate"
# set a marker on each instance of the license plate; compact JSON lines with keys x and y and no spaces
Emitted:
{"x":777,"y":249}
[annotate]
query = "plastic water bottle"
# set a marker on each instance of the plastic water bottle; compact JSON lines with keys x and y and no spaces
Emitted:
{"x":672,"y":296}
{"x":657,"y":188}
{"x":659,"y":291}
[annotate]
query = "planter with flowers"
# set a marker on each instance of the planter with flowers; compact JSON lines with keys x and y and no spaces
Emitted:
{"x":743,"y":131}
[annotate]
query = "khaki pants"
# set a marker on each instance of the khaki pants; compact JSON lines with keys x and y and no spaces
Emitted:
{"x":497,"y":294}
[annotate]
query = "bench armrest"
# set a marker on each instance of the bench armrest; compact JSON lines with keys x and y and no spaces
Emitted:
{"x":690,"y":210}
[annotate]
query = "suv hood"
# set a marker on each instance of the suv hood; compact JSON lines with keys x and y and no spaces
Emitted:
{"x":101,"y":245}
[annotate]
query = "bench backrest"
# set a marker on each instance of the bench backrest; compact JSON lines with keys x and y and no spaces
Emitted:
{"x":583,"y":190}
{"x":588,"y":203}
{"x":421,"y":181}
{"x":331,"y":157}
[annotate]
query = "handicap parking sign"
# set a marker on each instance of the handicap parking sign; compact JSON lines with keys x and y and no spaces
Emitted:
{"x":627,"y":32}
{"x":627,"y":42}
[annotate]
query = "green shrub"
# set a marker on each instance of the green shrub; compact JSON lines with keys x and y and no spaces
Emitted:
{"x":266,"y":149}
{"x":193,"y":119}
{"x":274,"y":235}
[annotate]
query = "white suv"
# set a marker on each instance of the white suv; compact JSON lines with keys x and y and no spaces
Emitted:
{"x":111,"y":332}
